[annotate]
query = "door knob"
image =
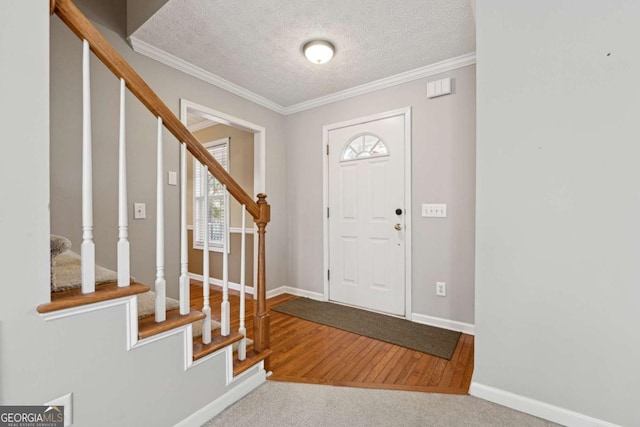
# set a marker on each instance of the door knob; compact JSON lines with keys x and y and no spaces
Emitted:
{"x":398,"y":227}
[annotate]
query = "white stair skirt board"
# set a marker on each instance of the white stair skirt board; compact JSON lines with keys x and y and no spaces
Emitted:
{"x":243,"y":387}
{"x":453,"y":325}
{"x":295,"y":291}
{"x":535,"y":407}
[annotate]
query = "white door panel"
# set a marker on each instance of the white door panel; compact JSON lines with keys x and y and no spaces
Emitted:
{"x":366,"y":186}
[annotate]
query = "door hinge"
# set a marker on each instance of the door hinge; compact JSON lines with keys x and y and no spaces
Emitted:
{"x":328,"y":274}
{"x":327,"y":211}
{"x":327,"y":149}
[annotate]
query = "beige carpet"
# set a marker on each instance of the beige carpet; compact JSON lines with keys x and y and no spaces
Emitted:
{"x":278,"y":404}
{"x":66,"y":272}
{"x":147,"y":304}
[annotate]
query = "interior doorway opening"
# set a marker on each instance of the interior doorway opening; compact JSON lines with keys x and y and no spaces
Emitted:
{"x":243,"y":145}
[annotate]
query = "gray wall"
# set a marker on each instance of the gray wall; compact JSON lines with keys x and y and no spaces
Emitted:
{"x":139,"y":11}
{"x":443,"y":167}
{"x":171,"y":85}
{"x":558,"y":208}
{"x":41,"y":361}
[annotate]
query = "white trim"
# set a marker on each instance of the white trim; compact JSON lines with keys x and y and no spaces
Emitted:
{"x":407,"y":76}
{"x":257,"y":367}
{"x":439,"y":322}
{"x":219,"y":283}
{"x":188,"y":345}
{"x":132,"y":323}
{"x":209,"y":411}
{"x":76,"y":311}
{"x":212,"y":355}
{"x":406,"y":112}
{"x":408,"y":189}
{"x":159,"y":55}
{"x":238,"y":230}
{"x":162,"y":335}
{"x":295,"y":291}
{"x":534,"y":407}
{"x":232,"y":230}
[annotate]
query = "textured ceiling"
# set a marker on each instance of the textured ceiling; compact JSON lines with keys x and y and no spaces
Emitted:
{"x":256,"y":44}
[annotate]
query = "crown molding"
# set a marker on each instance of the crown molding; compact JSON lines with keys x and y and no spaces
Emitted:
{"x":159,"y":55}
{"x":172,"y":61}
{"x":407,"y":76}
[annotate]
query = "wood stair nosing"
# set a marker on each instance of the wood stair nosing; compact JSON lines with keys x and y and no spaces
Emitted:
{"x":217,"y":342}
{"x":147,"y":326}
{"x":75,"y":298}
{"x":252,"y":359}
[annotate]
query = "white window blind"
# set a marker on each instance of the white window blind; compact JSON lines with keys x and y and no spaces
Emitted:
{"x":220,"y":151}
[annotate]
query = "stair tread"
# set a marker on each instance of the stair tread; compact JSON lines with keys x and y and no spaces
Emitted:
{"x":75,"y":297}
{"x":217,"y":342}
{"x":252,"y":359}
{"x":147,"y":326}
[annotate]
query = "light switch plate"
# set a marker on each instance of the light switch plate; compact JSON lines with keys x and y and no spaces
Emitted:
{"x":439,"y":87}
{"x":434,"y":210}
{"x":173,"y":178}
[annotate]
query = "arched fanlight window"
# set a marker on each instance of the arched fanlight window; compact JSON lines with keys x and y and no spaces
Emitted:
{"x":363,"y":146}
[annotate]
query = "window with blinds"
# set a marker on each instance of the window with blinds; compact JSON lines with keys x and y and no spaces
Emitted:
{"x":215,"y":212}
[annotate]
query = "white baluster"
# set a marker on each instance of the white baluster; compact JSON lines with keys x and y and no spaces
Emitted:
{"x":124,"y":276}
{"x":225,"y":317}
{"x":88,"y":248}
{"x":161,"y":284}
{"x":206,"y":308}
{"x":184,"y":259}
{"x":242,"y":345}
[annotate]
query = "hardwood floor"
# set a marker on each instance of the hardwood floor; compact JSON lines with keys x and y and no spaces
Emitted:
{"x":308,"y":352}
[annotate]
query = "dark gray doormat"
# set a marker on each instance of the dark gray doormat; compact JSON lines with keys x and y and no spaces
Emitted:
{"x":427,"y":339}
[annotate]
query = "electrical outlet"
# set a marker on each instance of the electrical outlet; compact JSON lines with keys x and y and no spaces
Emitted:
{"x":64,"y":401}
{"x":139,"y":211}
{"x":441,"y":289}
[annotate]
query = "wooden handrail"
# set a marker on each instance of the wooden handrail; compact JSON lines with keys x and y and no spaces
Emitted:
{"x":260,"y":210}
{"x":84,"y":29}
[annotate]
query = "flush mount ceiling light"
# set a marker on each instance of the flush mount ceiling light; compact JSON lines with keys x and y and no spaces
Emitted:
{"x":318,"y":51}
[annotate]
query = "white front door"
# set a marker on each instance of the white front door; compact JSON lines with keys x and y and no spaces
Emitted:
{"x":367,"y":215}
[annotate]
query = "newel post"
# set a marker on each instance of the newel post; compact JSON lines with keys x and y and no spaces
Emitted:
{"x":261,"y":317}
{"x":52,"y":6}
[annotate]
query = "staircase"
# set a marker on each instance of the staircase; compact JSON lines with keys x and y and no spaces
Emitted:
{"x":163,"y":323}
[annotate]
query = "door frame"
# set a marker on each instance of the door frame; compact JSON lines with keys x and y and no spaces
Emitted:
{"x":406,"y":113}
{"x":259,"y":158}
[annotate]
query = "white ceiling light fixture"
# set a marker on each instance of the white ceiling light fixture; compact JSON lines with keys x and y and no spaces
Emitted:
{"x":318,"y":51}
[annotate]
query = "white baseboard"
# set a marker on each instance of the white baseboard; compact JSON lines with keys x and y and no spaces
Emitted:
{"x":453,"y":325}
{"x":294,"y":291}
{"x":209,"y":411}
{"x":535,"y":407}
{"x":270,"y":294}
{"x":217,"y":282}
